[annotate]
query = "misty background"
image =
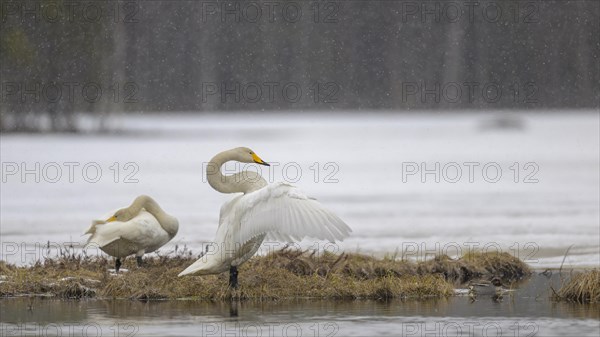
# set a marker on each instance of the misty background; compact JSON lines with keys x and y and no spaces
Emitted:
{"x":59,"y":59}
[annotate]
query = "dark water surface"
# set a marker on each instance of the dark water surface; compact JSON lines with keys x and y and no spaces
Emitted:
{"x":527,"y":312}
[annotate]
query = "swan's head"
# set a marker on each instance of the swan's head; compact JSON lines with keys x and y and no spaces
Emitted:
{"x":128,"y":213}
{"x":122,"y":215}
{"x":245,"y":155}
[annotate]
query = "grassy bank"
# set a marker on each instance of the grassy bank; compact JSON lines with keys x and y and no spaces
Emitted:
{"x":283,"y":274}
{"x":582,"y":288}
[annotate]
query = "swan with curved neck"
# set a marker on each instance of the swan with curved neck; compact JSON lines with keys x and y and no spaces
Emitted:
{"x":140,"y":228}
{"x":244,"y":182}
{"x":278,"y":211}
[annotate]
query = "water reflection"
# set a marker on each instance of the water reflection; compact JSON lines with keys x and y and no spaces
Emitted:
{"x":528,"y":307}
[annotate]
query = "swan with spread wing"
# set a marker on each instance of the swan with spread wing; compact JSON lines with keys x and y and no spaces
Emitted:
{"x":278,"y":211}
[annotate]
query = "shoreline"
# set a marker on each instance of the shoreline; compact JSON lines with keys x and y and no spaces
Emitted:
{"x":286,"y":274}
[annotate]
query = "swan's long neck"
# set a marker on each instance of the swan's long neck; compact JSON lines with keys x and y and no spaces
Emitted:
{"x":169,"y":223}
{"x":244,"y":181}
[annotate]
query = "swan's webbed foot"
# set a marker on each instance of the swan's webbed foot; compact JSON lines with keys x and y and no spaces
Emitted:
{"x":139,"y":261}
{"x":117,"y":265}
{"x":233,"y":277}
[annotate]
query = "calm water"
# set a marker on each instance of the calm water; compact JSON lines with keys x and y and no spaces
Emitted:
{"x":528,"y":312}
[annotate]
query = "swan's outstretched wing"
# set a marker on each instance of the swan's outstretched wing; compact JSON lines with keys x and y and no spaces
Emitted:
{"x":284,"y":213}
{"x":279,"y":211}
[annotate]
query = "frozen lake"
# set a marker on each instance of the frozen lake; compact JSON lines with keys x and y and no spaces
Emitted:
{"x":532,"y":191}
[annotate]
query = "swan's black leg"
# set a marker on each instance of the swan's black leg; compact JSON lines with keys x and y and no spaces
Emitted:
{"x":139,"y":260}
{"x":117,"y":265}
{"x":233,"y":274}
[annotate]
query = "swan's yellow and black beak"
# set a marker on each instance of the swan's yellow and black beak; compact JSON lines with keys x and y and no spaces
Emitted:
{"x":258,"y":160}
{"x":111,"y":219}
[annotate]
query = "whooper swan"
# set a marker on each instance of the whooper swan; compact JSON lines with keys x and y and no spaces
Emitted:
{"x":278,"y":210}
{"x":141,"y":228}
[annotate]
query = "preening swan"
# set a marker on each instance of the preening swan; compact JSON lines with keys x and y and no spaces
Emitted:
{"x":141,"y":228}
{"x":279,"y":211}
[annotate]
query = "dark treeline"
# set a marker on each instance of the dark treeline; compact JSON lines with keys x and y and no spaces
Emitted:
{"x":62,"y":57}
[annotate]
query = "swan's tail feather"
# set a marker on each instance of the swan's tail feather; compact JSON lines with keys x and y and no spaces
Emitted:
{"x":195,"y":268}
{"x":205,"y":265}
{"x":191,"y":269}
{"x":100,"y":236}
{"x":92,"y":231}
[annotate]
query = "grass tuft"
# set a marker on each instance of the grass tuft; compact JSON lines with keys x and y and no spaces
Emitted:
{"x":581,"y":288}
{"x":477,"y":265}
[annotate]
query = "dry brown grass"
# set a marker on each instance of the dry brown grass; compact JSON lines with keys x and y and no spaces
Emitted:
{"x":477,"y":265}
{"x":284,"y":274}
{"x":582,"y":288}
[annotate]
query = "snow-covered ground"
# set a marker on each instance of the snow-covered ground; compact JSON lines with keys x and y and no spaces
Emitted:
{"x":366,"y":168}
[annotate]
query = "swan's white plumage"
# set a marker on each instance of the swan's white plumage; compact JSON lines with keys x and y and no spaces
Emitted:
{"x":277,"y":211}
{"x":140,"y":235}
{"x":141,"y":228}
{"x":283,"y":212}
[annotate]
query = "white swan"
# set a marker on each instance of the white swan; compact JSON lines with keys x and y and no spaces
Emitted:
{"x":278,"y":210}
{"x":138,"y":229}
